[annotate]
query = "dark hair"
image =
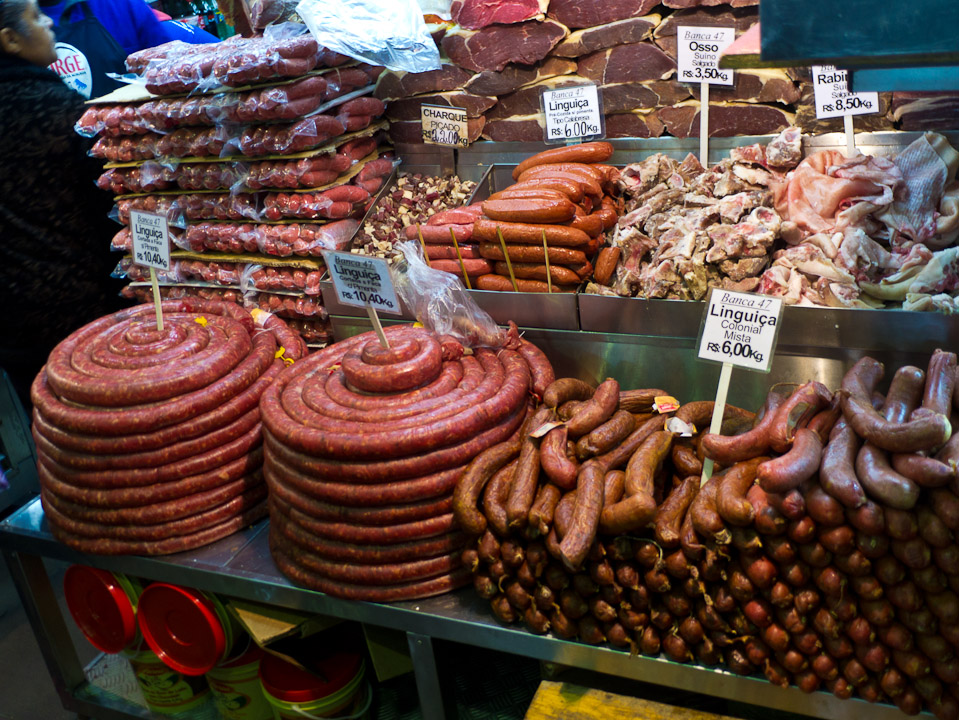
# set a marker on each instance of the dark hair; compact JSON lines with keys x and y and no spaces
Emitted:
{"x":11,"y":15}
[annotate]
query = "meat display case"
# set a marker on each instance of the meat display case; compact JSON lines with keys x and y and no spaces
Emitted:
{"x":658,"y":350}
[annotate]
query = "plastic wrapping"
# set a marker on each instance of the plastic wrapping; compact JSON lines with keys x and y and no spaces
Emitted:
{"x":123,"y":240}
{"x":439,"y":301}
{"x":165,"y":205}
{"x":336,"y":203}
{"x":219,"y":206}
{"x":180,"y":143}
{"x":153,"y":176}
{"x":300,"y":136}
{"x":305,"y":240}
{"x":389,"y":34}
{"x":267,"y":278}
{"x":285,"y":50}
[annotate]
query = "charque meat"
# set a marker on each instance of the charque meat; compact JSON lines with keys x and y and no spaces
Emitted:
{"x":364,"y":445}
{"x":476,"y":14}
{"x":512,"y":77}
{"x":600,"y":37}
{"x":149,"y":441}
{"x":577,"y":14}
{"x":493,"y":47}
{"x":636,"y":62}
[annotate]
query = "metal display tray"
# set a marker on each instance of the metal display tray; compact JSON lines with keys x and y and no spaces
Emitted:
{"x":240,"y":566}
{"x":556,"y":311}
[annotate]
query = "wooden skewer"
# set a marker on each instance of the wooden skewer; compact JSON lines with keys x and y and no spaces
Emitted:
{"x":426,"y":255}
{"x":509,"y":265}
{"x":459,"y":256}
{"x":549,"y":275}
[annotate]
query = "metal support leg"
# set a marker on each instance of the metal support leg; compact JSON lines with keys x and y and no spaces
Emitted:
{"x":42,"y":610}
{"x":427,"y":677}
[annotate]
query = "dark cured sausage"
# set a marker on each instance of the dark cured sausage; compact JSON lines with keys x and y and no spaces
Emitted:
{"x":670,"y":515}
{"x":494,"y":499}
{"x":556,"y":464}
{"x":796,"y":412}
{"x":539,"y":365}
{"x":788,"y":471}
{"x":923,"y":432}
{"x":564,"y":390}
{"x":525,"y":477}
{"x":837,"y":473}
{"x":471,"y":484}
{"x":595,"y":411}
{"x":585,"y":518}
{"x":755,"y":442}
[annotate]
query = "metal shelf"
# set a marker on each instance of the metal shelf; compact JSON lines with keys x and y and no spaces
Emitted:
{"x":240,"y":566}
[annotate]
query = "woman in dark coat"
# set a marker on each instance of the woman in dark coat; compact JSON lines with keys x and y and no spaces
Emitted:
{"x":54,"y":231}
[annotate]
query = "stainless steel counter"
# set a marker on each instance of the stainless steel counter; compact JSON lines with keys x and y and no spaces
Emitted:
{"x":240,"y":566}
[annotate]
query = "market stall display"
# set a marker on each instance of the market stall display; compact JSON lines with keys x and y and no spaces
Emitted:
{"x":149,"y":441}
{"x":819,"y":554}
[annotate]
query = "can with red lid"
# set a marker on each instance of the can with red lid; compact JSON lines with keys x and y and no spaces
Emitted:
{"x":236,"y":688}
{"x":188,"y":629}
{"x":170,"y":692}
{"x":332,"y":688}
{"x":104,"y":606}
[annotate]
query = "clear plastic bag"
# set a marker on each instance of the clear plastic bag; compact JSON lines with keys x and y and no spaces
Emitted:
{"x":439,"y":301}
{"x":390,"y":34}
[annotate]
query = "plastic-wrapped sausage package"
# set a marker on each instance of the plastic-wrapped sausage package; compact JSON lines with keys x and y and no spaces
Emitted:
{"x":439,"y":301}
{"x":364,"y":445}
{"x":149,"y":441}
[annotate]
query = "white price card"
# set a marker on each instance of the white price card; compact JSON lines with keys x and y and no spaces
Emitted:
{"x":699,"y":49}
{"x":740,"y":329}
{"x":444,"y":125}
{"x":362,"y":281}
{"x":573,"y":113}
{"x":151,"y":239}
{"x":833,"y":99}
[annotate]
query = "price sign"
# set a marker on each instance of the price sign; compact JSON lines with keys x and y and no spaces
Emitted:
{"x":699,"y":49}
{"x":833,"y":99}
{"x":740,"y":329}
{"x":573,"y":113}
{"x":444,"y":125}
{"x":151,"y":239}
{"x":362,"y":281}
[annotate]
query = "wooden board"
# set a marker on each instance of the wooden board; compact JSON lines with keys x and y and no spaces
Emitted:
{"x":566,"y":701}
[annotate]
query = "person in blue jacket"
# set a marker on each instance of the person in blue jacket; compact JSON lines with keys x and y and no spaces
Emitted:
{"x":95,"y":36}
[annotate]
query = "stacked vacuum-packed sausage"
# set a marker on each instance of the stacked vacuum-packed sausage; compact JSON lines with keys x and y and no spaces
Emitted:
{"x":551,"y":220}
{"x":230,"y":169}
{"x":148,"y":441}
{"x":363,"y":446}
{"x":821,"y":552}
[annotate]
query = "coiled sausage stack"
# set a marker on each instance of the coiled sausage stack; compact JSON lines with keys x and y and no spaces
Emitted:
{"x":364,"y":446}
{"x":150,"y":442}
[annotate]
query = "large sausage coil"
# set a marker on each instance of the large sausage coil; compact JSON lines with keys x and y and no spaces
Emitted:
{"x":363,"y":447}
{"x":148,"y":441}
